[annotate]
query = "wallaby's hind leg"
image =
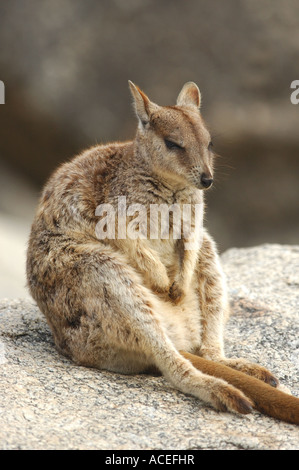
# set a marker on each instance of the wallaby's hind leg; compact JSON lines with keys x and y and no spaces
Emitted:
{"x":119,"y":330}
{"x":214,"y":311}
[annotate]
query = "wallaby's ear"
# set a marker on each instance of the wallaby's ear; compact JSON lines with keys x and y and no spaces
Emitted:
{"x":189,"y":95}
{"x":142,"y":104}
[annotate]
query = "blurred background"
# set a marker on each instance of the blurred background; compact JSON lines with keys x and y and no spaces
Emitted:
{"x":66,"y":64}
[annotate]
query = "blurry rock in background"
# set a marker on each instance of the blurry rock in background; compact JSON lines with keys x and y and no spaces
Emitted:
{"x":16,"y":213}
{"x":66,"y":63}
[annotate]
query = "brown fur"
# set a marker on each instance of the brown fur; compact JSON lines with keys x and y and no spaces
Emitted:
{"x":130,"y":305}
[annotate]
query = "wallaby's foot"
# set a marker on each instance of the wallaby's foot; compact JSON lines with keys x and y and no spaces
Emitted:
{"x":255,"y":370}
{"x":225,"y":397}
{"x":176,"y":293}
{"x":213,"y":390}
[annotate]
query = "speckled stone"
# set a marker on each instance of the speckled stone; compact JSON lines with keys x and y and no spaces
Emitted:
{"x":49,"y":403}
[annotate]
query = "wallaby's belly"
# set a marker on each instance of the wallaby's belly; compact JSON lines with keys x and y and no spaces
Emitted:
{"x":182,"y":322}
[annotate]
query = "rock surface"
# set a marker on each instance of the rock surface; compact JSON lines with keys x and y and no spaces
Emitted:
{"x":49,"y":403}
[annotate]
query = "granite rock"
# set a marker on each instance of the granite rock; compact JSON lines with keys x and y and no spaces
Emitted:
{"x":49,"y":403}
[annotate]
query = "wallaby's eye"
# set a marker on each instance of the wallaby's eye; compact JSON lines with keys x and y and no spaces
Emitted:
{"x":210,"y":145}
{"x":172,"y":145}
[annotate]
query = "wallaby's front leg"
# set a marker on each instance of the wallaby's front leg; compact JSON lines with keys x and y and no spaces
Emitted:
{"x":214,"y":311}
{"x":188,"y":249}
{"x":182,"y":282}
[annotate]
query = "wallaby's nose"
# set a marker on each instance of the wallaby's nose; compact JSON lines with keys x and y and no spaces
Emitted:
{"x":206,"y":180}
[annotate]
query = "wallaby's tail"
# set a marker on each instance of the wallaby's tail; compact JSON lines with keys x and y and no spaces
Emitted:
{"x":266,"y":399}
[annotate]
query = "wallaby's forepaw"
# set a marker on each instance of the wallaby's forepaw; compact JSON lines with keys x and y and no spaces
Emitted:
{"x":160,"y":283}
{"x":160,"y":288}
{"x":225,"y":397}
{"x":257,"y":371}
{"x":176,"y":293}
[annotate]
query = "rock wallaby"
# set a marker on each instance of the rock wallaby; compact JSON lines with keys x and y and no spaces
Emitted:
{"x":120,"y":292}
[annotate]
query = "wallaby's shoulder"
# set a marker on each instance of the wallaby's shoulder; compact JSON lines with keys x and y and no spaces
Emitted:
{"x":84,"y":171}
{"x":78,"y":186}
{"x":87,"y":166}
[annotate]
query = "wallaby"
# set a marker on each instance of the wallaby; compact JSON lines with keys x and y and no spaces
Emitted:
{"x":134,"y":304}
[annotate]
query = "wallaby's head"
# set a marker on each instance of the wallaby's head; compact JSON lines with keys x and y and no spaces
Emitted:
{"x":174,"y":139}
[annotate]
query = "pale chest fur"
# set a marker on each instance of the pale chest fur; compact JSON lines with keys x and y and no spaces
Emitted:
{"x":182,"y":323}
